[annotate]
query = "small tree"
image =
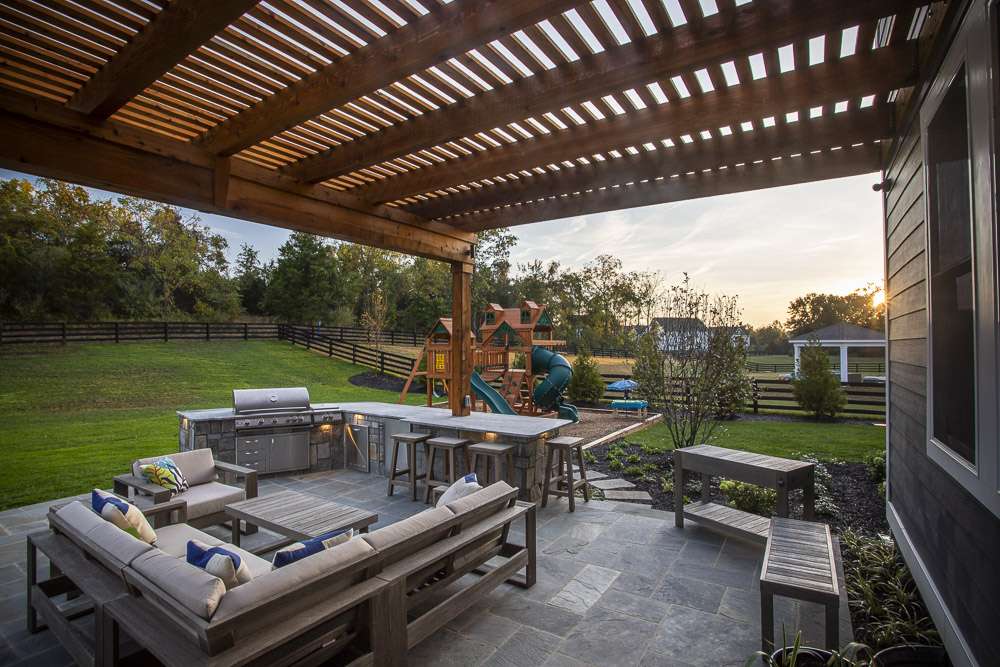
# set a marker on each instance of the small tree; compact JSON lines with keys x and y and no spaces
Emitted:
{"x":375,"y":318}
{"x":698,"y":373}
{"x":816,"y":389}
{"x":587,"y":383}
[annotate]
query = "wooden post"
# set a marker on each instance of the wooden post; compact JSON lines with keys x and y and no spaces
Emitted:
{"x":246,"y":332}
{"x":461,"y":347}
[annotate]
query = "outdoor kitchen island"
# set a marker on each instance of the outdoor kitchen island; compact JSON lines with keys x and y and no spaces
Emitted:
{"x":358,"y":436}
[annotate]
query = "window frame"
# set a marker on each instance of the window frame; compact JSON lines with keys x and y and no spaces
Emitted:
{"x":974,"y":52}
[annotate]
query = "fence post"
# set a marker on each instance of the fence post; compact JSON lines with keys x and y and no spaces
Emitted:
{"x":381,"y":362}
{"x":329,"y":347}
{"x":64,"y":333}
{"x":756,"y":396}
{"x":166,"y":332}
{"x":246,"y":332}
{"x":354,"y":353}
{"x":208,"y":332}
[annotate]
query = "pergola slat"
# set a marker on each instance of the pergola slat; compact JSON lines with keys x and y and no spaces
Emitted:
{"x":173,"y":33}
{"x":873,"y":72}
{"x":444,"y":32}
{"x":727,"y":36}
{"x":804,"y":169}
{"x":865,"y":126}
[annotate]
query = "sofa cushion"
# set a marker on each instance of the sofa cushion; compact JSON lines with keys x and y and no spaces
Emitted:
{"x":164,"y":472}
{"x":172,"y":540}
{"x":82,"y":522}
{"x":258,"y":566}
{"x":197,"y":465}
{"x":479,"y":498}
{"x":220,"y":561}
{"x":194,"y":589}
{"x":209,"y":498}
{"x":121,"y":513}
{"x":463,"y":487}
{"x":310,"y":547}
{"x":284,"y":581}
{"x":418,"y":524}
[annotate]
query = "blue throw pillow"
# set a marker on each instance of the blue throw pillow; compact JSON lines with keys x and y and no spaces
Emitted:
{"x":220,"y":562}
{"x":306,"y":548}
{"x":126,"y":516}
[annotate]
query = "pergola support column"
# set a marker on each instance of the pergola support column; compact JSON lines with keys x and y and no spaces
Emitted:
{"x":459,"y":388}
{"x":843,"y":364}
{"x":798,"y":357}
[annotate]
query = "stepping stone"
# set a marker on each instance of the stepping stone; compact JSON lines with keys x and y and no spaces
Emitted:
{"x":595,"y":474}
{"x":612,"y":483}
{"x":635,"y":496}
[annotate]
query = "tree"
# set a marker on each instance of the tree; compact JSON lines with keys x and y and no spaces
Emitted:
{"x":814,"y":311}
{"x":302,"y":288}
{"x":251,"y":280}
{"x":770,"y":339}
{"x":815,"y":387}
{"x":375,"y":318}
{"x":703,"y":376}
{"x":586,"y":383}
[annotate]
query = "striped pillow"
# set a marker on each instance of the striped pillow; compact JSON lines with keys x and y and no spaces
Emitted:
{"x":126,"y":516}
{"x":300,"y":550}
{"x":164,"y":472}
{"x":219,"y":562}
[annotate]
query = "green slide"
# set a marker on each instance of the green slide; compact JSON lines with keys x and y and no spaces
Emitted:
{"x":548,"y":393}
{"x":485,"y":392}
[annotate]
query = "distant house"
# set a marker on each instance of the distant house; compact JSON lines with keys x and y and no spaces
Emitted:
{"x":682,"y":333}
{"x":739,"y":334}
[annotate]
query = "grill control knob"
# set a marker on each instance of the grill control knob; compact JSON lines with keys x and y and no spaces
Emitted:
{"x":260,"y":421}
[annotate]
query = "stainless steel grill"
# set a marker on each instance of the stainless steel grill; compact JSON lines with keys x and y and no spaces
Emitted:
{"x":271,"y":408}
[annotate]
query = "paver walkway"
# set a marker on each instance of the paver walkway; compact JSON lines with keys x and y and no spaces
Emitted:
{"x":618,"y":584}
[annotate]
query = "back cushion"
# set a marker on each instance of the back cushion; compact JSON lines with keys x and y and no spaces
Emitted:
{"x":412,"y":528}
{"x":283,"y":581}
{"x":491,"y":494}
{"x":197,"y":465}
{"x":196,"y":590}
{"x":107,"y":540}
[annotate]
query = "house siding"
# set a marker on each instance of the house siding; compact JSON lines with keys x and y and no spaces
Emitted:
{"x":956,"y":537}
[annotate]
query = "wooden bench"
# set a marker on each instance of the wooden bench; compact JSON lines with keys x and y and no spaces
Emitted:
{"x":770,"y":471}
{"x":799,"y":563}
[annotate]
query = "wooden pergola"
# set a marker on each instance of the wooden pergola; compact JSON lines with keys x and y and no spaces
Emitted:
{"x":412,"y":124}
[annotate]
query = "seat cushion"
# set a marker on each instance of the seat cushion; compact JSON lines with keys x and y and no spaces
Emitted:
{"x":209,"y":498}
{"x":414,"y":526}
{"x":483,"y":497}
{"x":196,"y":590}
{"x":172,"y":540}
{"x":197,"y":465}
{"x":287,"y":581}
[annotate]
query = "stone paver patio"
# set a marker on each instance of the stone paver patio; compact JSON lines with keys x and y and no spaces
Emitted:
{"x":618,"y":584}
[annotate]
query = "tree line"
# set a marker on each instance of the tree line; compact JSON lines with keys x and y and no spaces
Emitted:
{"x":65,"y":255}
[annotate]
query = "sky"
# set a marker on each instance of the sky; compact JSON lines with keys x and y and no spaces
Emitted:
{"x":767,"y":246}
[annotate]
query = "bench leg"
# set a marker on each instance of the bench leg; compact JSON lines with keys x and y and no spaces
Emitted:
{"x":529,"y":541}
{"x":548,"y":476}
{"x":583,"y":474}
{"x":678,"y":490}
{"x":570,"y":486}
{"x":766,"y":621}
{"x":31,"y":564}
{"x":106,"y":644}
{"x":809,"y":498}
{"x":781,"y":507}
{"x":833,"y":625}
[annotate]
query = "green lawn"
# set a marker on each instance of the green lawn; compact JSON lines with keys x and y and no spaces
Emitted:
{"x":849,"y":442}
{"x":75,"y":416}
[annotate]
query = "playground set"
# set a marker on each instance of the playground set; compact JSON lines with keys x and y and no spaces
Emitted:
{"x":505,"y":335}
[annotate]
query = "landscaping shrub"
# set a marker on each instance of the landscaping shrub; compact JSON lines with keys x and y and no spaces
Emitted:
{"x":876,"y":467}
{"x":886,"y":608}
{"x":823,"y":487}
{"x":615,"y":464}
{"x":589,"y":458}
{"x":633,"y":471}
{"x":633,"y":458}
{"x":749,"y":497}
{"x":587,"y":383}
{"x":816,"y":389}
{"x":667,"y":484}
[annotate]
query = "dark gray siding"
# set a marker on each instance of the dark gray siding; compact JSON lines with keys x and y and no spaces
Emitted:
{"x":956,"y":537}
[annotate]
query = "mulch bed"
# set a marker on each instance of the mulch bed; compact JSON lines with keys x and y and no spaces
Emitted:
{"x":854,"y":493}
{"x":374,"y":380}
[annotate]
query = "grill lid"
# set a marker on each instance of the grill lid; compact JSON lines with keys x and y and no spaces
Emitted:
{"x":281,"y":399}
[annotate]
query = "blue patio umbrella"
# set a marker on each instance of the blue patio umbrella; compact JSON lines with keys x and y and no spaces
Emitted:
{"x":623,"y":385}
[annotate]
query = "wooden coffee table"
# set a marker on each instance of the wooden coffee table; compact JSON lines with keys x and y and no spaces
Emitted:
{"x":296,"y":516}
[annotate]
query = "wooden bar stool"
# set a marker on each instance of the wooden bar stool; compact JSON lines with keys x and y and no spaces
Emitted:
{"x":565,"y":447}
{"x":492,"y":452}
{"x":411,"y":440}
{"x":448,"y":447}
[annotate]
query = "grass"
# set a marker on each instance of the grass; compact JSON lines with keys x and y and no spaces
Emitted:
{"x":828,"y":441}
{"x":75,"y":416}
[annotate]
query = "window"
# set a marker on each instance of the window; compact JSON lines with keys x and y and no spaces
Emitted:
{"x":958,"y":134}
{"x":952,"y":284}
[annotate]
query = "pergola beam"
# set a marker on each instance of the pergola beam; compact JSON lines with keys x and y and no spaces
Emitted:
{"x":174,"y":33}
{"x":122,"y":159}
{"x":873,"y":72}
{"x":804,"y":169}
{"x":445,"y":32}
{"x":846,"y":129}
{"x":734,"y":34}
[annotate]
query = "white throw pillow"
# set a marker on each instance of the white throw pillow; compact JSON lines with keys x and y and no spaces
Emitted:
{"x":463,"y":487}
{"x":220,"y":562}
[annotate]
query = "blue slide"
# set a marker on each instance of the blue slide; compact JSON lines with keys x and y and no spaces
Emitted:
{"x":548,"y":393}
{"x":491,"y":396}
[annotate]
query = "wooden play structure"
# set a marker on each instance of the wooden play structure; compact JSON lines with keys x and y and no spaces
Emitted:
{"x":506,"y":335}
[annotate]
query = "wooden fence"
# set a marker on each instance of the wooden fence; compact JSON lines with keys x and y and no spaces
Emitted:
{"x":870,"y":367}
{"x":118,"y":332}
{"x":384,"y":362}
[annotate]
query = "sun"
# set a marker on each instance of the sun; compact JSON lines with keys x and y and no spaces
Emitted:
{"x":878,"y":299}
